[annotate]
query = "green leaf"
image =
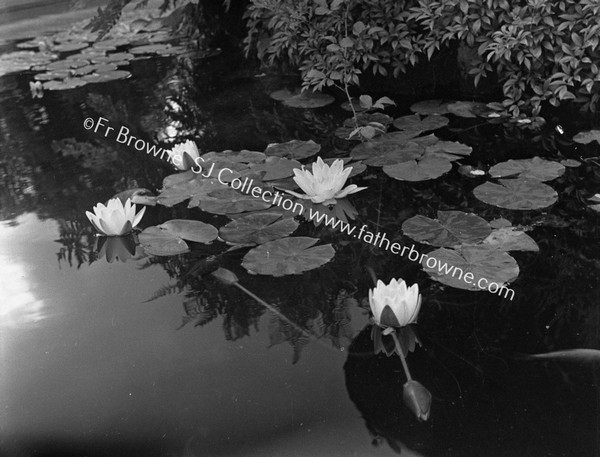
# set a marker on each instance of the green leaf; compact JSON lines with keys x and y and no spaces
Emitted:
{"x":258,"y":228}
{"x":160,"y":242}
{"x":521,"y":194}
{"x":413,"y":122}
{"x":295,"y":149}
{"x":422,"y":170}
{"x":430,"y":107}
{"x":227,"y":200}
{"x":491,"y":265}
{"x":190,"y":230}
{"x":452,"y":228}
{"x":587,"y":137}
{"x":287,"y":256}
{"x":535,"y":168}
{"x":510,"y":239}
{"x":276,"y":168}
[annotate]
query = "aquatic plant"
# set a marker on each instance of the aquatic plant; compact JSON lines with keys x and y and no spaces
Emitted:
{"x":184,"y":155}
{"x":326,"y":183}
{"x":115,"y":218}
{"x":394,"y":304}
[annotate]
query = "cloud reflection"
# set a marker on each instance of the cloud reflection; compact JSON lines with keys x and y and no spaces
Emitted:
{"x":18,"y":305}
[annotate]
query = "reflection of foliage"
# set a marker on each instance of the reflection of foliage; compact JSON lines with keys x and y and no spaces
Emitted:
{"x":77,"y":243}
{"x":16,"y":185}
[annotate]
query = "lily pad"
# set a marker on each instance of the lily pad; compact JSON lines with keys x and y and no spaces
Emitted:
{"x":383,"y":145}
{"x":188,"y":185}
{"x":295,"y":149}
{"x":535,"y":168}
{"x":466,"y":109}
{"x":422,"y":170}
{"x":150,"y":49}
{"x":363,"y":119}
{"x":571,"y":163}
{"x":308,"y":99}
{"x":161,"y":242}
{"x":413,"y":122}
{"x":510,"y":239}
{"x":228,"y":200}
{"x":452,"y":228}
{"x":105,"y":76}
{"x":451,"y":150}
{"x":587,"y":137}
{"x":287,"y":256}
{"x":427,"y":107}
{"x":190,"y":230}
{"x":258,"y":228}
{"x":69,"y":83}
{"x":281,"y":95}
{"x":452,"y":267}
{"x":522,"y":194}
{"x":69,"y":46}
{"x":276,"y":168}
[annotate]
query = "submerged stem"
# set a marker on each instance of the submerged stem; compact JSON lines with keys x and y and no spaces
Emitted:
{"x":401,"y":354}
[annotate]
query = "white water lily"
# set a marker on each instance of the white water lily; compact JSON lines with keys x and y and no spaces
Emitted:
{"x":184,"y":155}
{"x":116,"y":218}
{"x":326,"y":183}
{"x":394,"y":305}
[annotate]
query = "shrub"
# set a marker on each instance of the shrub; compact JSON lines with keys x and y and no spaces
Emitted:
{"x":540,"y":50}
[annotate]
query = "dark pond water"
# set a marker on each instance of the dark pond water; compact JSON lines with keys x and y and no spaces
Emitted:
{"x":100,"y":358}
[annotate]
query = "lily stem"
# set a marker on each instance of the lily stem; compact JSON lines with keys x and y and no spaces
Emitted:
{"x":401,"y":354}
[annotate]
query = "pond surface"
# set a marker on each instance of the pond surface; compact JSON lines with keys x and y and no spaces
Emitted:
{"x":153,"y":356}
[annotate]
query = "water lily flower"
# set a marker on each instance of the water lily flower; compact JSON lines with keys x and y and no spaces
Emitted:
{"x":184,"y":155}
{"x":116,"y":218}
{"x":394,"y":305}
{"x":36,"y":88}
{"x":326,"y":183}
{"x":417,"y":398}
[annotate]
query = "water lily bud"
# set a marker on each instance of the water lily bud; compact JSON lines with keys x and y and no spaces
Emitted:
{"x":183,"y":155}
{"x":418,"y":399}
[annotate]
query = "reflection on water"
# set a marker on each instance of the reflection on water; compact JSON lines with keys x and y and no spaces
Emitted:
{"x":19,"y":305}
{"x":109,"y":351}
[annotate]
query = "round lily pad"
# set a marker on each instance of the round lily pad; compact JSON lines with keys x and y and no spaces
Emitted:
{"x":276,"y":168}
{"x":308,"y":99}
{"x":281,"y":95}
{"x":383,"y":145}
{"x":427,"y":107}
{"x":510,"y":239}
{"x":258,"y":228}
{"x":287,"y":256}
{"x":149,"y":49}
{"x":587,"y":137}
{"x":454,"y":267}
{"x":228,"y":200}
{"x":69,"y":83}
{"x":422,"y":170}
{"x":466,"y":109}
{"x":161,"y":242}
{"x":451,"y":228}
{"x":535,"y":168}
{"x":451,"y":150}
{"x":190,"y":230}
{"x":188,"y":185}
{"x":415,"y":123}
{"x":107,"y":75}
{"x":69,"y":46}
{"x":295,"y":149}
{"x":518,"y":193}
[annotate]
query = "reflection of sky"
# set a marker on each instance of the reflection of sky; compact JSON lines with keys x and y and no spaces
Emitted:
{"x":105,"y":365}
{"x":19,"y":305}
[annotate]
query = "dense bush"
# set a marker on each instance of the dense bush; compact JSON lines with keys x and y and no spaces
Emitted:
{"x":540,"y":50}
